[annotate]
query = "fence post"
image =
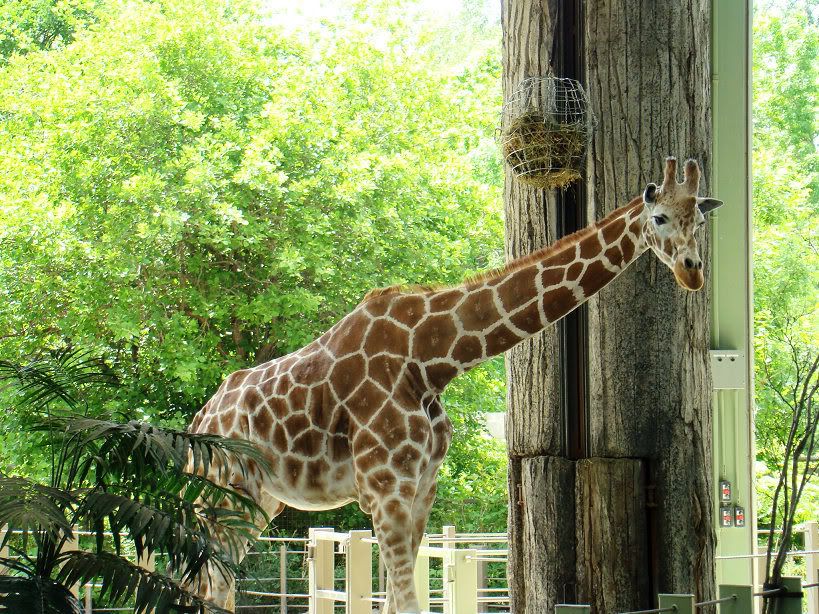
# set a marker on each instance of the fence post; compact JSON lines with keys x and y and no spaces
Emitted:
{"x":448,"y":567}
{"x":572,"y":609}
{"x":791,"y":605}
{"x":760,"y":571}
{"x":283,"y":578}
{"x":812,"y":563}
{"x":422,"y":576}
{"x":69,"y":545}
{"x":4,"y":551}
{"x":147,"y":562}
{"x":742,"y":602}
{"x":465,"y":584}
{"x":683,"y":604}
{"x":359,"y":570}
{"x":89,"y":604}
{"x":319,"y":571}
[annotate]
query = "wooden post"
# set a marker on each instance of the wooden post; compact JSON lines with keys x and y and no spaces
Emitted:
{"x":742,"y":602}
{"x":359,"y":572}
{"x":422,"y":576}
{"x":69,"y":545}
{"x":447,"y":576}
{"x":319,"y":571}
{"x":812,"y":564}
{"x":683,"y":604}
{"x":611,"y":514}
{"x":4,"y":551}
{"x":147,"y":562}
{"x":791,"y":605}
{"x":482,"y":607}
{"x":465,"y":582}
{"x":89,"y":604}
{"x":283,"y":578}
{"x":382,"y":573}
{"x":572,"y":609}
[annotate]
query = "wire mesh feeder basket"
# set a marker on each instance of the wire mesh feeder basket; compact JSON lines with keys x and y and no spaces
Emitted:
{"x":545,"y":128}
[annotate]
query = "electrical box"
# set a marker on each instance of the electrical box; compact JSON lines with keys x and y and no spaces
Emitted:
{"x":726,"y":516}
{"x":728,"y":369}
{"x":739,"y":516}
{"x":725,"y":491}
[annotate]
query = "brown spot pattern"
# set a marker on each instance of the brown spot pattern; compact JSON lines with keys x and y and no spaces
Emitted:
{"x":574,"y":270}
{"x":558,"y":303}
{"x":552,"y":277}
{"x":348,"y":340}
{"x":408,"y":309}
{"x":613,"y":230}
{"x":500,"y":340}
{"x":528,"y":318}
{"x":366,"y":401}
{"x":262,"y":421}
{"x":444,"y":301}
{"x":467,"y":349}
{"x":433,"y":338}
{"x":440,"y":374}
{"x":590,"y":247}
{"x":518,"y":288}
{"x":478,"y":311}
{"x":384,"y":336}
{"x":347,"y":374}
{"x":595,"y":277}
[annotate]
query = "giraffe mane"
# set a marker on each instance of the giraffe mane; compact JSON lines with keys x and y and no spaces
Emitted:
{"x":518,"y":263}
{"x":401,"y":289}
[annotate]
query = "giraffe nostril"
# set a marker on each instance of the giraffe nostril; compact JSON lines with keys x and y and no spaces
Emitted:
{"x":689,"y":264}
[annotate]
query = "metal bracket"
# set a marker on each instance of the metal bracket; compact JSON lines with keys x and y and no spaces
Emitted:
{"x":729,"y":369}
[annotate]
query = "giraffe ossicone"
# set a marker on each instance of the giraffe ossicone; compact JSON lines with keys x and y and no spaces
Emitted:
{"x":356,"y":414}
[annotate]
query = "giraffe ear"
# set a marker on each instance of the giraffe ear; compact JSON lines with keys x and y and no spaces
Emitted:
{"x":650,"y":194}
{"x":708,"y":204}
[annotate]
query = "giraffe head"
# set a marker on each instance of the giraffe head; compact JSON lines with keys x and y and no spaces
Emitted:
{"x":673,"y":212}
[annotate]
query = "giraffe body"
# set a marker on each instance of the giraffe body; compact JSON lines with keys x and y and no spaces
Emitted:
{"x":356,"y":414}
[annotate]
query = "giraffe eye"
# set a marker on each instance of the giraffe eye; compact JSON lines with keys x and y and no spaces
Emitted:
{"x":660,"y":219}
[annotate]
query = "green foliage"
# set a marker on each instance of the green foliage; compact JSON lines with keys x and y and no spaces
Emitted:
{"x":159,"y":489}
{"x":786,"y":237}
{"x":30,"y":25}
{"x":188,"y":189}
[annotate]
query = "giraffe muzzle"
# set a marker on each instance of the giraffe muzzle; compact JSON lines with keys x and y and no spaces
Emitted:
{"x":688,"y":273}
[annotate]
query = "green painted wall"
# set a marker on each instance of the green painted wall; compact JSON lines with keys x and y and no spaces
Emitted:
{"x":731,"y":275}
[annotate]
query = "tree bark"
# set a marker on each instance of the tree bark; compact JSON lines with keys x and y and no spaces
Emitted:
{"x":541,"y":526}
{"x":612,"y":552}
{"x":533,"y":427}
{"x":649,"y":372}
{"x":541,"y":534}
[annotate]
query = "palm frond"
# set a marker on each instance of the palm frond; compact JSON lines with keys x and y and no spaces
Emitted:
{"x":34,"y":507}
{"x":122,"y":581}
{"x":36,"y":595}
{"x":58,"y":375}
{"x":138,"y":449}
{"x":188,"y":542}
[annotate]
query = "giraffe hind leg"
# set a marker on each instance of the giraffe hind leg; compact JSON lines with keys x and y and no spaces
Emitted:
{"x":211,"y":584}
{"x":392,"y":521}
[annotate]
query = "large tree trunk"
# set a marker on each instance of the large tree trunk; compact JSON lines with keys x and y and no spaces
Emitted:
{"x":647,"y":68}
{"x":541,"y":527}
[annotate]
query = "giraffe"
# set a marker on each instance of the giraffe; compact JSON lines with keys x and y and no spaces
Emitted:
{"x":356,"y":415}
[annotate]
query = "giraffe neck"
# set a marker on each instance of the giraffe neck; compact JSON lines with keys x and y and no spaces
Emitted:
{"x":502,"y":308}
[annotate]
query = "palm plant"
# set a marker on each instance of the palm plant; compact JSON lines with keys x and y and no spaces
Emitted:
{"x":159,"y":489}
